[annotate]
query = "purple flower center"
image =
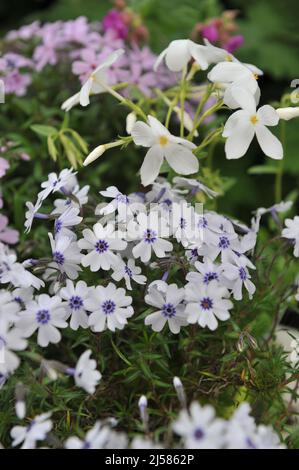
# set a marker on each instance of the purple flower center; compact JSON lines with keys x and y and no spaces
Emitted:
{"x":198,"y":433}
{"x":102,"y":246}
{"x":223,"y":242}
{"x":242,"y":274}
{"x":210,"y":276}
{"x":58,"y":257}
{"x":75,"y":302}
{"x":194,"y":252}
{"x":122,"y":198}
{"x":108,"y":307}
{"x":43,"y":316}
{"x":167,"y":202}
{"x":206,"y":303}
{"x":183,"y":223}
{"x":168,"y":310}
{"x":202,"y":223}
{"x":57,"y":226}
{"x":150,"y":236}
{"x":128,"y":271}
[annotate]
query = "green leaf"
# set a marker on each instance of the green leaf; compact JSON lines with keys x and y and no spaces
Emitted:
{"x":263,"y":170}
{"x":43,"y":130}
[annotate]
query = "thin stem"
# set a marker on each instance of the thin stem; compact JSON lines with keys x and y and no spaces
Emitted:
{"x":279,"y":174}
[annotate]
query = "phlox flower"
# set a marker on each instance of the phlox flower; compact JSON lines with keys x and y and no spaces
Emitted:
{"x":243,"y":125}
{"x":199,"y":428}
{"x":74,"y":297}
{"x":85,"y":374}
{"x":22,"y":296}
{"x":149,"y":230}
{"x":193,"y":185}
{"x":168,"y":299}
{"x":14,"y":272}
{"x":66,"y":256}
{"x":9,"y":309}
{"x":68,"y":218}
{"x":45,"y":314}
{"x":179,"y":52}
{"x":55,"y":183}
{"x":30,"y":214}
{"x":237,"y":277}
{"x":206,"y":272}
{"x":37,"y":430}
{"x":129,"y":272}
{"x":77,"y":197}
{"x":292,"y":233}
{"x":176,"y":150}
{"x":206,"y":304}
{"x":11,"y":339}
{"x":95,"y":438}
{"x":101,"y":242}
{"x":120,"y":203}
{"x":110,"y":308}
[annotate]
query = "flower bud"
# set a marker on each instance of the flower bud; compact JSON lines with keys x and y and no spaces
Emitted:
{"x":179,"y":388}
{"x":96,"y":153}
{"x":130,"y":121}
{"x":288,"y":113}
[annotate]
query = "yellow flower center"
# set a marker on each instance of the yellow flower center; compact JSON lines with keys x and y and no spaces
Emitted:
{"x":256,"y":76}
{"x":163,"y":140}
{"x":253,"y":119}
{"x":228,"y":58}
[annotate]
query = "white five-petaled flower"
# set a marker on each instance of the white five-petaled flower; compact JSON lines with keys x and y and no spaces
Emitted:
{"x":101,"y":242}
{"x":207,"y":303}
{"x":37,"y":430}
{"x":150,"y":229}
{"x":110,"y":308}
{"x":45,"y":314}
{"x":66,"y":256}
{"x":200,"y":429}
{"x":292,"y":232}
{"x":176,"y":150}
{"x":31,"y":212}
{"x":55,"y":183}
{"x":85,"y":374}
{"x":96,"y":83}
{"x":96,"y":438}
{"x":120,"y":203}
{"x":244,"y":124}
{"x":74,"y":297}
{"x":236,"y":277}
{"x":11,"y":339}
{"x":179,"y":52}
{"x":68,"y":218}
{"x":168,"y":299}
{"x":129,"y":272}
{"x":207,"y":271}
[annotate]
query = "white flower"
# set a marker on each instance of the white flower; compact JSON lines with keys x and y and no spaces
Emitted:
{"x":180,"y":52}
{"x":171,"y":309}
{"x":75,"y":297}
{"x":76,"y":198}
{"x":207,"y":271}
{"x":243,"y":125}
{"x":182,"y":221}
{"x":14,"y":272}
{"x":207,"y":303}
{"x":101,"y":244}
{"x":110,"y":308}
{"x":8,"y":308}
{"x":95,"y":438}
{"x":238,"y":276}
{"x":69,"y":218}
{"x":194,"y":185}
{"x":234,"y":74}
{"x":66,"y":255}
{"x":150,"y":230}
{"x":129,"y":272}
{"x":177,"y":151}
{"x":86,"y":376}
{"x":46,"y":314}
{"x":288,"y":113}
{"x":55,"y":183}
{"x":292,"y":232}
{"x":37,"y":430}
{"x":199,"y":428}
{"x":120,"y":203}
{"x":294,"y":354}
{"x":32,"y":210}
{"x":282,"y":206}
{"x":11,"y":339}
{"x":22,"y":296}
{"x":96,"y":83}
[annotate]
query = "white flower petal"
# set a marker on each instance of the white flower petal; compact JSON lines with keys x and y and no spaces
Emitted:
{"x":269,"y":143}
{"x":151,"y":165}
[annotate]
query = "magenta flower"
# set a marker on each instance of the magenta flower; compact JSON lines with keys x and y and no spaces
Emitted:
{"x":234,"y":43}
{"x":7,"y":235}
{"x":114,"y":20}
{"x":210,"y":32}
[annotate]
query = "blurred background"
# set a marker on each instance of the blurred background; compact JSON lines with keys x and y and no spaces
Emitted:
{"x":271,"y":41}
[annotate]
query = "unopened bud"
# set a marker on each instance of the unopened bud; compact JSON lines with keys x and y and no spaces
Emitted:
{"x":142,"y":403}
{"x":130,"y":121}
{"x":96,"y":153}
{"x":179,"y":388}
{"x":20,"y":405}
{"x":288,"y":113}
